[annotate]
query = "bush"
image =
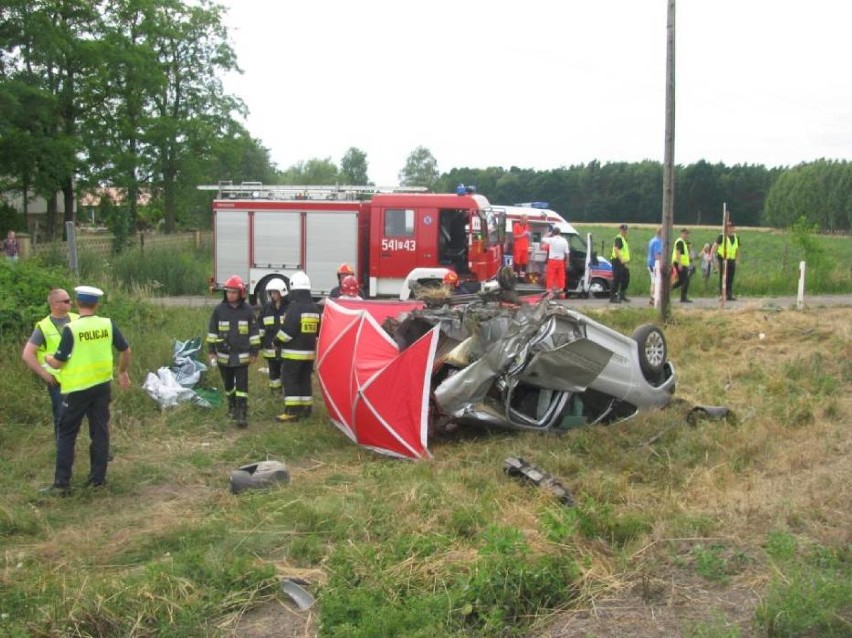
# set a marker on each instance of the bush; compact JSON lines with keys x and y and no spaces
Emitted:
{"x":24,"y":301}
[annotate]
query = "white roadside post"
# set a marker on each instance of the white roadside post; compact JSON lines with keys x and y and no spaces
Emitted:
{"x":658,"y":282}
{"x":800,"y":299}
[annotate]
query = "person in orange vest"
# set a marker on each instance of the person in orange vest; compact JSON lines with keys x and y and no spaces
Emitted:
{"x":85,"y":357}
{"x":521,"y":246}
{"x":43,"y":341}
{"x":727,"y":249}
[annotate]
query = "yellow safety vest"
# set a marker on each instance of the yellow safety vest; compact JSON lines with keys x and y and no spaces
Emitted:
{"x":684,"y":255}
{"x":52,"y":337}
{"x":625,"y":250}
{"x":733,"y":245}
{"x":90,"y":363}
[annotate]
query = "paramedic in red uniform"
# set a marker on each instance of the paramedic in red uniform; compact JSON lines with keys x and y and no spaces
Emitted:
{"x":521,"y":246}
{"x":557,"y":257}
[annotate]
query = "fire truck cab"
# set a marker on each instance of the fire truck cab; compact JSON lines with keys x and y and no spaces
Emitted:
{"x":388,"y":235}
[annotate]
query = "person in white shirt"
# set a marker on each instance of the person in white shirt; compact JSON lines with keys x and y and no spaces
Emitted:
{"x":557,"y":259}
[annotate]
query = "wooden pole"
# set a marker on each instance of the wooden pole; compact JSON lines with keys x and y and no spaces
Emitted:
{"x":724,"y":271}
{"x":668,"y":167}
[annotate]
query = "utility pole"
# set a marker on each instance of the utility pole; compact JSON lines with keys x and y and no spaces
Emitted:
{"x":668,"y":169}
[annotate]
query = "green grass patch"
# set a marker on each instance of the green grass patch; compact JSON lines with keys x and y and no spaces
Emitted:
{"x":811,"y":593}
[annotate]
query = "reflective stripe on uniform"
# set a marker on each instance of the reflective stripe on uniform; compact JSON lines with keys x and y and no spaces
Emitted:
{"x":298,"y":355}
{"x":298,"y":401}
{"x":269,"y":353}
{"x":283,"y":336}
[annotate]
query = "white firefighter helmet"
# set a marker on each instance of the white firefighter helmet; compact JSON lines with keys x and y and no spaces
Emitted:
{"x":278,"y":285}
{"x":300,"y":281}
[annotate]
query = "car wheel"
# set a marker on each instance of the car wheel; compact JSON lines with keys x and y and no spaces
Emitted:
{"x":653,"y":351}
{"x":599,"y":287}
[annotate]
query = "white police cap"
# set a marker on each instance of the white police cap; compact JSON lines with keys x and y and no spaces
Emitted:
{"x":88,"y":294}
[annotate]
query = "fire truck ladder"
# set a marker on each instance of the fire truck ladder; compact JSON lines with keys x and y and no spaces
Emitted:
{"x":257,"y":190}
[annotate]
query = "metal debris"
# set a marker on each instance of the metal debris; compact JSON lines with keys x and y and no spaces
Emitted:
{"x":519,"y":468}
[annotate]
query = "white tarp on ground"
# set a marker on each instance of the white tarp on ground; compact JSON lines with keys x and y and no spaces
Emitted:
{"x":172,"y":385}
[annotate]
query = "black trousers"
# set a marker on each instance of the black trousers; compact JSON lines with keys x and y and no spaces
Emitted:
{"x":620,"y":279}
{"x":298,"y":393}
{"x":56,"y":398}
{"x":682,"y":281}
{"x":729,"y":279}
{"x":274,"y":366}
{"x":92,"y":403}
{"x":235,"y":379}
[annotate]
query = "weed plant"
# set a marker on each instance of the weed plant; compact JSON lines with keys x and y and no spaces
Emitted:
{"x":152,"y":271}
{"x":449,"y":546}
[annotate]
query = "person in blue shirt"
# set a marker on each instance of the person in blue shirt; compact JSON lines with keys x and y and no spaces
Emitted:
{"x":655,"y":252}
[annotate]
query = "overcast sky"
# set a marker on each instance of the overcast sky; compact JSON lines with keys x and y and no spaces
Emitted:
{"x":543,"y":83}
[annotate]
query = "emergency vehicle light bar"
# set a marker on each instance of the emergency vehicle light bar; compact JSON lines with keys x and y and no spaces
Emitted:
{"x":256,"y":190}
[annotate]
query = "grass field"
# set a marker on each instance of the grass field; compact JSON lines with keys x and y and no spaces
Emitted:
{"x":768,"y":263}
{"x":719,"y":528}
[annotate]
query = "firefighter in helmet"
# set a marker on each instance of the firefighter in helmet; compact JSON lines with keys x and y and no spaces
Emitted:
{"x":233,"y":339}
{"x":298,"y":337}
{"x":350,"y":288}
{"x":272,"y":318}
{"x":342,"y":272}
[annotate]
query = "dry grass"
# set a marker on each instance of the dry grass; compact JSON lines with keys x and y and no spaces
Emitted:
{"x":783,"y":463}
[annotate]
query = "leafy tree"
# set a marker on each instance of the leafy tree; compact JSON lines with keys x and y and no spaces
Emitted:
{"x":313,"y":172}
{"x":421,"y":169}
{"x":353,"y":167}
{"x":51,"y":47}
{"x":819,"y":192}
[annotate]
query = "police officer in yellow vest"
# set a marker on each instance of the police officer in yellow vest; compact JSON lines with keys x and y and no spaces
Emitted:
{"x":680,"y":263}
{"x":43,"y":341}
{"x":727,"y":248}
{"x":85,"y":357}
{"x":620,"y":257}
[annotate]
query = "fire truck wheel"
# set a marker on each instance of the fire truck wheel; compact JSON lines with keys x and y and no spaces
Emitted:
{"x":260,"y":296}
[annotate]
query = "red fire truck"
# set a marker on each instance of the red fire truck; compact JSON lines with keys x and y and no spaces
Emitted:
{"x":390,"y":236}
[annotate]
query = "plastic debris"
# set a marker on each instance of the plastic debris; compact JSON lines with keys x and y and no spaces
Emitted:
{"x":298,"y":594}
{"x":175,"y":384}
{"x":259,"y":475}
{"x":717,"y":412}
{"x":519,"y":468}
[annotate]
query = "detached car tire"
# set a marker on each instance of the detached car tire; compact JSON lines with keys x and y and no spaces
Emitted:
{"x":653,"y":351}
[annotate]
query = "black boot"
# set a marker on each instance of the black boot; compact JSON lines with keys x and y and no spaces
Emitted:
{"x":242,"y":412}
{"x":232,"y":407}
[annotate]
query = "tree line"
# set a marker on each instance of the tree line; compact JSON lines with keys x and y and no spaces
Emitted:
{"x":127,"y":95}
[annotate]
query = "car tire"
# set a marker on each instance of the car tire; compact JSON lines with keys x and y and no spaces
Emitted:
{"x":653,"y":351}
{"x":602,"y":283}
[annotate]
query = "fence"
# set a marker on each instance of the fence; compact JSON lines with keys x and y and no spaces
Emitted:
{"x":103,"y":245}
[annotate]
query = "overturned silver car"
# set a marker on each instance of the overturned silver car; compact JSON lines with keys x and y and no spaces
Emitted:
{"x":538,"y":367}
